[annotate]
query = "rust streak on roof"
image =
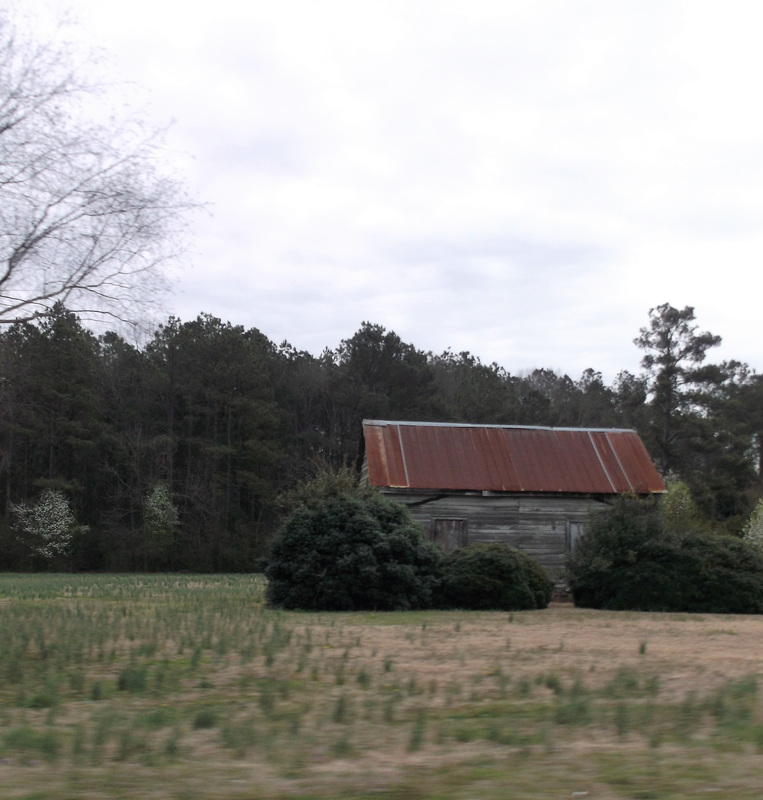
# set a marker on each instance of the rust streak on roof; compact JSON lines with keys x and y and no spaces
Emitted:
{"x":506,"y":458}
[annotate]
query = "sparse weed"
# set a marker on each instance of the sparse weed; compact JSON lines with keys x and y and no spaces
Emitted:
{"x":575,"y":708}
{"x":188,"y":671}
{"x":205,"y":718}
{"x":133,"y":678}
{"x":417,"y":733}
{"x":364,"y":678}
{"x":28,"y":742}
{"x":341,"y":710}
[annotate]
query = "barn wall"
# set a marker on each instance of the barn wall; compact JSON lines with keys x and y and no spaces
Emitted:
{"x":540,"y":525}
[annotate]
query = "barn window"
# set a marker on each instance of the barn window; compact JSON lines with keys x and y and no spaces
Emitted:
{"x":574,"y":532}
{"x":449,"y":534}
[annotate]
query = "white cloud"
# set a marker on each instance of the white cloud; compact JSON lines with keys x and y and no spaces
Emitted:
{"x":523,"y":180}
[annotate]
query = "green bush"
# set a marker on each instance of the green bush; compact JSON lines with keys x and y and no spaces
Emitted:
{"x":540,"y":584}
{"x":493,"y":576}
{"x":349,"y":552}
{"x":629,"y":560}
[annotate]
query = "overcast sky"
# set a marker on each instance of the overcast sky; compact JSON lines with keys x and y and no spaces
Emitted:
{"x":523,"y":180}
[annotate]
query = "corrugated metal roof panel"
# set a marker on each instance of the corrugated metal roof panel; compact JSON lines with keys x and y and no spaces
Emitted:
{"x":501,"y":458}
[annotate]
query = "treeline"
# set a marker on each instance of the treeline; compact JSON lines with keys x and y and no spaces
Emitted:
{"x":228,"y":422}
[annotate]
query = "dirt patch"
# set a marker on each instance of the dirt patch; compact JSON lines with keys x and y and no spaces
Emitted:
{"x":689,"y":652}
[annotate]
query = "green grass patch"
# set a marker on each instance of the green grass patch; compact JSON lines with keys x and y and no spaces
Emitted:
{"x":184,"y":681}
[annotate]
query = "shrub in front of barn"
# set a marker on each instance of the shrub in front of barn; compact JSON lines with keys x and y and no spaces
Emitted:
{"x":628,"y":559}
{"x":493,"y":576}
{"x":348,"y":552}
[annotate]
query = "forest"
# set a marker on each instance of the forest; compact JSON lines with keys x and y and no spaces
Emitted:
{"x":180,"y":454}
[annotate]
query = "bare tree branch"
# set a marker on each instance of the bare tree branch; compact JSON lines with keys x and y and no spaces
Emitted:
{"x":87,"y":215}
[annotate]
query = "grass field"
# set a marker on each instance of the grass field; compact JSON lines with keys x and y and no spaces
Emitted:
{"x":188,"y":687}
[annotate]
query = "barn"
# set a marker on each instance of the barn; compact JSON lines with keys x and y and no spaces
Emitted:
{"x":532,"y":487}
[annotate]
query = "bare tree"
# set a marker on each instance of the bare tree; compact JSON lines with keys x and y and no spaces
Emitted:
{"x":88,"y":217}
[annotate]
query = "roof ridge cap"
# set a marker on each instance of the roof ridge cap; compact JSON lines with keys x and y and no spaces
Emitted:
{"x":418,"y":423}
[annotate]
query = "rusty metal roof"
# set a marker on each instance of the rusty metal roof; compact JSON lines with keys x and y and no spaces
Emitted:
{"x":502,"y":458}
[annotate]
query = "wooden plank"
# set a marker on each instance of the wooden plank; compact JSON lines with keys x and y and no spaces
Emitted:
{"x":535,"y":524}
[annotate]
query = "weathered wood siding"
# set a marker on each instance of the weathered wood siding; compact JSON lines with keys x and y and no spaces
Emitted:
{"x":543,"y":526}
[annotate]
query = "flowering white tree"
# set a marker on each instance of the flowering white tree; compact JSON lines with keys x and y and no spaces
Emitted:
{"x":678,"y":510}
{"x":753,"y":529}
{"x":47,"y":526}
{"x":160,"y":521}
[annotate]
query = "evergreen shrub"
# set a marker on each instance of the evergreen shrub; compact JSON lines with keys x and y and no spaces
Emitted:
{"x":493,"y":576}
{"x":347,"y":552}
{"x":628,"y":559}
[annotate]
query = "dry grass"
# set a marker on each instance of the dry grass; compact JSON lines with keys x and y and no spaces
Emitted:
{"x":187,"y":687}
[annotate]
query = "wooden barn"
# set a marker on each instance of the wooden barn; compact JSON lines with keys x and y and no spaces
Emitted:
{"x":529,"y":486}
